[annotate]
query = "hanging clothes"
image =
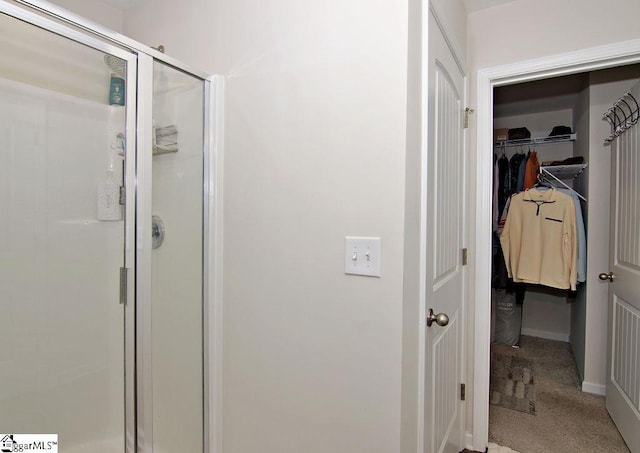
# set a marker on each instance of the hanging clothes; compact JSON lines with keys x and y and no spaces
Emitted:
{"x":503,"y":216}
{"x":514,"y":168}
{"x":580,"y":235}
{"x":539,"y":239}
{"x":531,"y":171}
{"x":495,"y":212}
{"x":521,"y":173}
{"x":503,"y":177}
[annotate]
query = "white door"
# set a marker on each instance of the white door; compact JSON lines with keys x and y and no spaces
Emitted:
{"x":623,"y":377}
{"x":445,"y":167}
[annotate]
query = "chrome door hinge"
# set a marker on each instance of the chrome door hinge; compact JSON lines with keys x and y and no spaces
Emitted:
{"x":463,"y":392}
{"x":123,"y":286}
{"x":464,"y":257}
{"x":467,"y":111}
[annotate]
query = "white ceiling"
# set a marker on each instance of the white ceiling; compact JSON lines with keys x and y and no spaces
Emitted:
{"x":477,"y":5}
{"x":471,"y":5}
{"x":121,"y":4}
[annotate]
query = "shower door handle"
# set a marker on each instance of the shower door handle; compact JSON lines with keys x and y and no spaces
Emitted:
{"x":123,"y":286}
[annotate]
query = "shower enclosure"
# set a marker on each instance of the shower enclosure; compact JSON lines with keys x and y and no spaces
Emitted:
{"x":105,"y":188}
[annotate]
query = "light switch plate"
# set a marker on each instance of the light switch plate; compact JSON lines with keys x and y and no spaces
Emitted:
{"x":362,"y":256}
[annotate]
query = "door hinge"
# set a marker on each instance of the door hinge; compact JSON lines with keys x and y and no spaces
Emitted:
{"x":464,"y":257}
{"x":123,"y":286}
{"x":123,"y":196}
{"x":467,"y":111}
{"x":463,"y":392}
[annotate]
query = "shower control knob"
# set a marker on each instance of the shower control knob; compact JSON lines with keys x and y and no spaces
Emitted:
{"x":157,"y":231}
{"x":441,"y":319}
{"x":606,"y":276}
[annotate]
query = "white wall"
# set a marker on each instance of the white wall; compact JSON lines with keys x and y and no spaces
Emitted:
{"x":101,"y":13}
{"x":582,"y":120}
{"x":315,"y":130}
{"x":315,"y":127}
{"x":189,"y":30}
{"x":453,"y":17}
{"x":527,"y":29}
{"x":316,"y":97}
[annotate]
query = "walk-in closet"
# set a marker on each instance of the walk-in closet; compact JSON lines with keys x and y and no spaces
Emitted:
{"x":549,"y":337}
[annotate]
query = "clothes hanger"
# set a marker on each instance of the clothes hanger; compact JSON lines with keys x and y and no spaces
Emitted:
{"x":542,"y":182}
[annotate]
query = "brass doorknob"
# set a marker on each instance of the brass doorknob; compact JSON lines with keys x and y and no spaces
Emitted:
{"x":441,"y":319}
{"x":606,"y":276}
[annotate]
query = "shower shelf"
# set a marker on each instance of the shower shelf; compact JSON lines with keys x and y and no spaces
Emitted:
{"x":158,"y":150}
{"x":165,"y":140}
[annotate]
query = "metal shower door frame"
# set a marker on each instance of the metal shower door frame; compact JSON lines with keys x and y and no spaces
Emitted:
{"x":137,"y":253}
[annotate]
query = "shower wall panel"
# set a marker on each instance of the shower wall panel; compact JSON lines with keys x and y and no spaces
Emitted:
{"x":62,"y":337}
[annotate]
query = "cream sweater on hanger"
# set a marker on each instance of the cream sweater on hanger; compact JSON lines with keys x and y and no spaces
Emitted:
{"x":539,"y":239}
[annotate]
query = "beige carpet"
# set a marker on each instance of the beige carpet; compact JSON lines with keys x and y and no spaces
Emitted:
{"x":494,"y":448}
{"x":567,"y":420}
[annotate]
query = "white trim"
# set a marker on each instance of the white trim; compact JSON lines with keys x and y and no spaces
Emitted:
{"x":483,"y":239}
{"x":600,"y":57}
{"x":209,"y":250}
{"x":144,"y":180}
{"x":547,"y":335}
{"x":215,"y":264}
{"x":468,"y":444}
{"x":424,"y":173}
{"x":464,"y":309}
{"x":584,"y":60}
{"x":596,"y":389}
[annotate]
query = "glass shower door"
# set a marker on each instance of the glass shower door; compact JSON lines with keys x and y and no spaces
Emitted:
{"x":176,"y":302}
{"x":63,"y":147}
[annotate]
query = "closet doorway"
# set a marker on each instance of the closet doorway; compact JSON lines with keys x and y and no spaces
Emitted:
{"x":562,"y":350}
{"x":581,"y":66}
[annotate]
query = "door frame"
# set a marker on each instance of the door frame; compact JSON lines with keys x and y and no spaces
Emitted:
{"x":590,"y":59}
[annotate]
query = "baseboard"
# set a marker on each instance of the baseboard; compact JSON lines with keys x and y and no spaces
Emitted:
{"x":468,"y":441}
{"x":597,"y":389}
{"x":469,"y":447}
{"x":558,"y":336}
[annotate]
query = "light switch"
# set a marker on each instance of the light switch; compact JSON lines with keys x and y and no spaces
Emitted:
{"x":362,"y":256}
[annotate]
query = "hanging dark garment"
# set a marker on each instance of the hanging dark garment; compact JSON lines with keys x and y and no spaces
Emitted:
{"x":514,"y":169}
{"x":503,"y":178}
